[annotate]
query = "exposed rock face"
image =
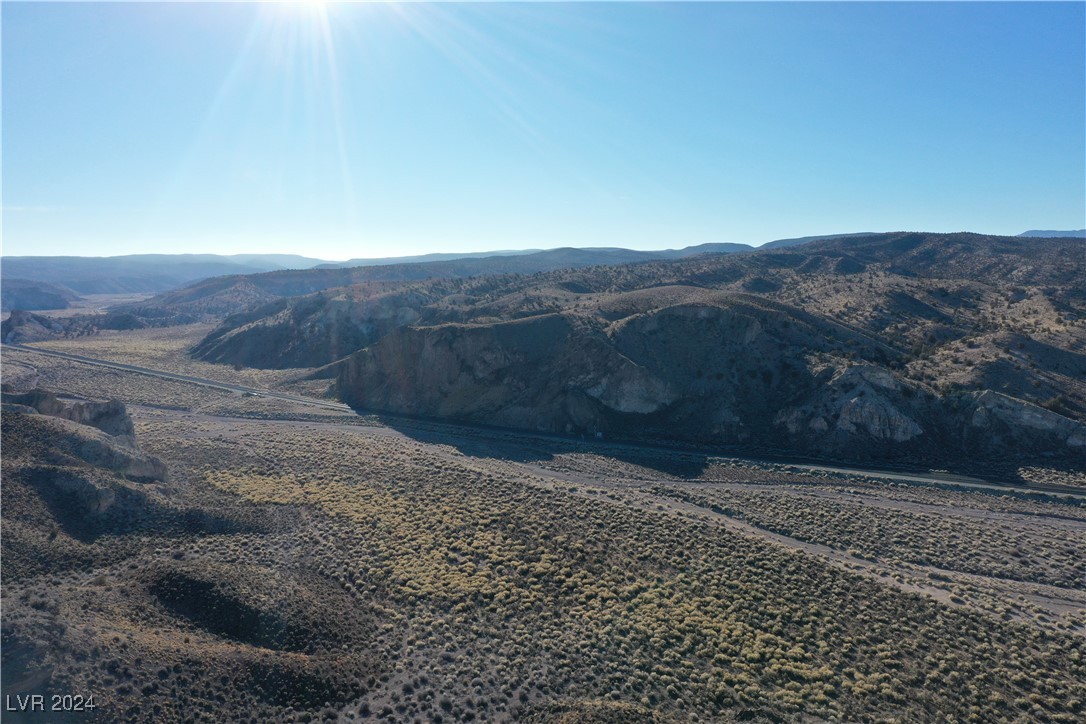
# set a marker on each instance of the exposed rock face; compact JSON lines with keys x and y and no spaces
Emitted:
{"x":537,"y":373}
{"x":321,"y":329}
{"x":684,"y":371}
{"x":92,"y":499}
{"x":113,"y":453}
{"x":860,"y":402}
{"x":632,"y":389}
{"x":100,"y":434}
{"x":878,"y":418}
{"x":110,"y":417}
{"x":724,"y":372}
{"x":24,"y":326}
{"x":993,"y":410}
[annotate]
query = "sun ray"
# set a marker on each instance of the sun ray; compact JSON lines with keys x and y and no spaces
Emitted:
{"x":336,"y":97}
{"x":292,"y":46}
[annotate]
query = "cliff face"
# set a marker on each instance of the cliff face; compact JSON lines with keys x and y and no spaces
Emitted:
{"x":735,"y":371}
{"x":110,"y":417}
{"x":859,"y":401}
{"x":100,"y":434}
{"x":75,"y":442}
{"x":1011,"y":420}
{"x":541,"y":373}
{"x":710,"y":372}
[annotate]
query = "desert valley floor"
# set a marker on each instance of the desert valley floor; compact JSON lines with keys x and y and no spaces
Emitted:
{"x":303,"y":563}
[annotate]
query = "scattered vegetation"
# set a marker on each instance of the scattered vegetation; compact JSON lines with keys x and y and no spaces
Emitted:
{"x":478,"y":589}
{"x":299,"y":564}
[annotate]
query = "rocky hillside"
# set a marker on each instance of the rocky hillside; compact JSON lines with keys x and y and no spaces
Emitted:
{"x":98,"y":434}
{"x":901,"y":345}
{"x":225,"y":295}
{"x":21,"y":326}
{"x":731,"y":370}
{"x":710,"y":364}
{"x":24,"y":326}
{"x":73,"y":474}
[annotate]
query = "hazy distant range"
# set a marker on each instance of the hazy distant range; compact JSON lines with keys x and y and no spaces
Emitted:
{"x":154,"y":273}
{"x":50,"y":282}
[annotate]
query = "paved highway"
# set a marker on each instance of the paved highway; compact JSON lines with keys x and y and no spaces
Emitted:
{"x":932,"y":478}
{"x":338,"y":406}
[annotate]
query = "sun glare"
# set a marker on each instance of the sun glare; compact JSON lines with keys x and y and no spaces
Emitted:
{"x":307,"y":7}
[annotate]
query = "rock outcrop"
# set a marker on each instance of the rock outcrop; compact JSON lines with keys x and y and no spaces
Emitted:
{"x":110,"y":417}
{"x":1000,"y":414}
{"x":856,"y":402}
{"x":23,"y":326}
{"x":100,"y":434}
{"x":541,"y":373}
{"x":100,"y":450}
{"x":308,"y":333}
{"x":708,"y":372}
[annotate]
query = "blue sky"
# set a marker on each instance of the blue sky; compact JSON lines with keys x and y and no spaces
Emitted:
{"x":352,"y":130}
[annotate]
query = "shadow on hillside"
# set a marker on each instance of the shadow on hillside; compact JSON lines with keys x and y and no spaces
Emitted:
{"x":530,"y":447}
{"x":72,"y":503}
{"x":535,"y":447}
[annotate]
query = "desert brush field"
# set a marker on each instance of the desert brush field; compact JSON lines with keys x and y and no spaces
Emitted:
{"x":305,"y":565}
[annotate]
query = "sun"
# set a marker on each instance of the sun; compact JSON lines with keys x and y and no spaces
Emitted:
{"x":304,"y":9}
{"x":308,"y":6}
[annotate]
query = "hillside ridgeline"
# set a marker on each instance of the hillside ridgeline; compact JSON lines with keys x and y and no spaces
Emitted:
{"x":895,"y":346}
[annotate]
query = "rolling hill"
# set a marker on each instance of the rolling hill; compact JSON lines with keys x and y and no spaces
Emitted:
{"x":141,"y":272}
{"x":1051,"y":234}
{"x":223,"y":295}
{"x":34,"y":296}
{"x":591,"y":255}
{"x":896,"y":346}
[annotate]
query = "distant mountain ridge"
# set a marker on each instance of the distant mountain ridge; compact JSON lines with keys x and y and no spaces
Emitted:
{"x":34,"y":295}
{"x":157,"y":273}
{"x":422,"y":258}
{"x":227,"y":294}
{"x":1053,"y":234}
{"x":141,"y":272}
{"x":801,"y":240}
{"x":607,"y":254}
